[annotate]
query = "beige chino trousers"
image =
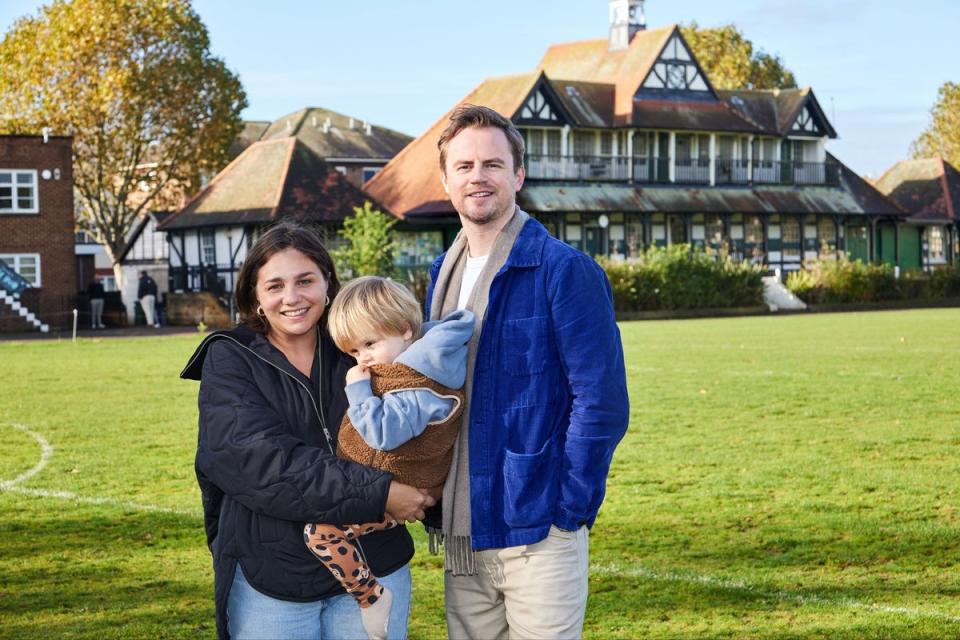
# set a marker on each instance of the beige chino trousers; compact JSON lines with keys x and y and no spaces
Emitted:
{"x":529,"y":591}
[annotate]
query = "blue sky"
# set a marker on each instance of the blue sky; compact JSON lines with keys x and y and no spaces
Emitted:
{"x":875,"y":66}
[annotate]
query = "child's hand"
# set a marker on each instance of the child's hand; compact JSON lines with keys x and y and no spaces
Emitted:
{"x":358,"y":372}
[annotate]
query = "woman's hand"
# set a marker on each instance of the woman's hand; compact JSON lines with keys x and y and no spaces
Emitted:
{"x":358,"y":372}
{"x":406,"y":503}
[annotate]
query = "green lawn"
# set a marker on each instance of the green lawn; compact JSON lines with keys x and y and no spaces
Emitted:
{"x":791,"y":477}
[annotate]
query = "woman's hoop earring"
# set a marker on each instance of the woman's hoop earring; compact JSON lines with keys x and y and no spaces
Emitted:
{"x":327,"y":303}
{"x":260,"y":311}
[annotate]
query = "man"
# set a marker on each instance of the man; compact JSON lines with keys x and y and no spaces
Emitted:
{"x":96,"y":292}
{"x":147,"y":294}
{"x":546,"y":398}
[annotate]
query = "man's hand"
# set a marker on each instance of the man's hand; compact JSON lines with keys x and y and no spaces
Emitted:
{"x":406,"y":503}
{"x":358,"y":372}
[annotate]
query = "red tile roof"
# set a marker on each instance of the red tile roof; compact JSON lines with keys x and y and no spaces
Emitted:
{"x":271,"y":179}
{"x":928,"y":188}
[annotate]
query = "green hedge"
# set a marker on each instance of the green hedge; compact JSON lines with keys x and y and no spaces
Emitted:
{"x":678,"y":277}
{"x":840,"y":281}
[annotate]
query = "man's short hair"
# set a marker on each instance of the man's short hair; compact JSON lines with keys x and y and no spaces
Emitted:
{"x":471,"y":115}
{"x":372,"y":306}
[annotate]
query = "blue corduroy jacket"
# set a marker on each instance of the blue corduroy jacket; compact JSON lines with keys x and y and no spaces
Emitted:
{"x":549,"y":398}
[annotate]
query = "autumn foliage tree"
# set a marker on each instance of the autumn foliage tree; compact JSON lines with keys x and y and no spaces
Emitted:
{"x":136,"y":85}
{"x":731,"y":62}
{"x":942,"y":135}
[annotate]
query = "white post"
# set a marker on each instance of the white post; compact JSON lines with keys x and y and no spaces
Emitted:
{"x":564,"y":149}
{"x":750,"y":159}
{"x":74,"y":326}
{"x":713,"y":159}
{"x":673,"y":157}
{"x":630,"y":154}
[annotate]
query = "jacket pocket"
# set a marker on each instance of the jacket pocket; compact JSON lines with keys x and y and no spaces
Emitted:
{"x":527,"y":347}
{"x":530,"y":486}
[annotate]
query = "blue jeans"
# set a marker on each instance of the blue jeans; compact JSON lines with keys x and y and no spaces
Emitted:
{"x":253,"y":615}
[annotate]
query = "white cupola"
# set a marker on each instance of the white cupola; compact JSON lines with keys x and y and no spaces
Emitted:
{"x":626,"y":19}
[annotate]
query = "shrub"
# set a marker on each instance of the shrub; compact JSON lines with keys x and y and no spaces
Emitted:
{"x":842,"y":281}
{"x":369,"y":249}
{"x":677,"y":277}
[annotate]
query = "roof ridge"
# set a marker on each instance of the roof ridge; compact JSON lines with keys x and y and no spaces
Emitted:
{"x":947,"y":196}
{"x":286,"y":175}
{"x":217,"y":178}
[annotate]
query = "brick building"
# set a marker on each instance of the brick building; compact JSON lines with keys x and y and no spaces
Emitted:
{"x":36,"y":232}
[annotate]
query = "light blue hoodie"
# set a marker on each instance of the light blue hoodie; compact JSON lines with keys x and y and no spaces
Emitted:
{"x":399,"y":416}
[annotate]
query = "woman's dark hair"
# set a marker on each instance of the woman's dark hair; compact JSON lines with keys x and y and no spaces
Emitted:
{"x":283,"y":235}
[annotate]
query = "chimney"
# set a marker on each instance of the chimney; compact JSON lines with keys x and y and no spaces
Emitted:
{"x":367,"y":127}
{"x":326,"y":125}
{"x":350,"y":126}
{"x":627,"y":17}
{"x":46,"y":134}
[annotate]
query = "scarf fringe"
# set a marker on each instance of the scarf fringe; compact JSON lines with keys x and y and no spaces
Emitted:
{"x":459,"y":558}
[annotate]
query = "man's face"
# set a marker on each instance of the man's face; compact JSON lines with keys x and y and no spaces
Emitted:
{"x":479,"y":175}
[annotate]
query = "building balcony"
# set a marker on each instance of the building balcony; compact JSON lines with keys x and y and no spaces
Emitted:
{"x":685,"y":171}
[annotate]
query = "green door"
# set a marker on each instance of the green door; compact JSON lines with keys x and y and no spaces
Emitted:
{"x":857,"y":247}
{"x":592,"y":246}
{"x":910,"y":247}
{"x":886,"y":244}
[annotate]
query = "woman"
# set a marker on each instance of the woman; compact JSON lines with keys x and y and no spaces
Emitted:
{"x":271,"y":401}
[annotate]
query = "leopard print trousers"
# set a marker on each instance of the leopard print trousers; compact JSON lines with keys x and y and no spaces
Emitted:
{"x":330,"y":543}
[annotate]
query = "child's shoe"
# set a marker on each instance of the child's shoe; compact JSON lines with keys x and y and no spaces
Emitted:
{"x":376,"y":616}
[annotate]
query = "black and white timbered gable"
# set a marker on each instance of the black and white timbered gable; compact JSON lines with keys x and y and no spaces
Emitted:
{"x":542,"y":107}
{"x":676,"y":75}
{"x":810,"y":121}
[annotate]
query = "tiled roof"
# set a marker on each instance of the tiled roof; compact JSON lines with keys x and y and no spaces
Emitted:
{"x":272,"y":179}
{"x":410,"y":183}
{"x":775,"y":110}
{"x":590,"y":104}
{"x":592,"y":61}
{"x":702,"y":116}
{"x":338,"y":139}
{"x":927,"y":188}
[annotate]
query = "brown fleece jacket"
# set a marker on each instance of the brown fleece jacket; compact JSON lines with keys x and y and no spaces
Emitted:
{"x":421,"y":462}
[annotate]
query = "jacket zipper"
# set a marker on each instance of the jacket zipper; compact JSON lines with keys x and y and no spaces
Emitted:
{"x":320,"y":418}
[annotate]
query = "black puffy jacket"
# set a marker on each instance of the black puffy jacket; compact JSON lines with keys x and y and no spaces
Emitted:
{"x":266,"y":465}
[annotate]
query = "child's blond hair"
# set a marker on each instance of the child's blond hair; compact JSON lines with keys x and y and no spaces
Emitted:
{"x":372,"y":306}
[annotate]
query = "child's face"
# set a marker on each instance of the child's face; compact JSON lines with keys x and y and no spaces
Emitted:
{"x":378,"y":349}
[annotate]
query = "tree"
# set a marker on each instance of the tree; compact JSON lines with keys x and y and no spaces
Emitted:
{"x":730,"y":61}
{"x":134,"y":82}
{"x":942,"y":135}
{"x":370,"y":236}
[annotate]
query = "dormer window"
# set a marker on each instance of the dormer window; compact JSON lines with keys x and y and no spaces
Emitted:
{"x":537,"y":108}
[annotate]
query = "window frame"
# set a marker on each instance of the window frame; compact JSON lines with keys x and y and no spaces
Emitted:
{"x":14,"y":197}
{"x":16,"y":266}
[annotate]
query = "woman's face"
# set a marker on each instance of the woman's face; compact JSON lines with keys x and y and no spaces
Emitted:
{"x":292,"y":292}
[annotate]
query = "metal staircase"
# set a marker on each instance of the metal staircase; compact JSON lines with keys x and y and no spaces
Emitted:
{"x":11,"y":285}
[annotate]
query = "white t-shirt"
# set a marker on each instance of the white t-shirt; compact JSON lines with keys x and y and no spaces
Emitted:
{"x":471,"y":272}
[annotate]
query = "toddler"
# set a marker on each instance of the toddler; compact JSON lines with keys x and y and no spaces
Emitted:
{"x":404,"y":416}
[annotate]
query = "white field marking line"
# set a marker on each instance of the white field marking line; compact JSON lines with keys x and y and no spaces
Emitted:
{"x":726,"y":584}
{"x":46,"y":452}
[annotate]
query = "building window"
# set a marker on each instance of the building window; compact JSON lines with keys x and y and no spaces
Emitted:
{"x":25,"y":264}
{"x":828,"y":237}
{"x":935,"y":242}
{"x":208,"y":247}
{"x":417,"y":248}
{"x":714,"y":230}
{"x":790,"y":234}
{"x":753,"y":231}
{"x":18,"y":192}
{"x":369,"y":172}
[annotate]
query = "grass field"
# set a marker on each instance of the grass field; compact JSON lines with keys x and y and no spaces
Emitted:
{"x":790,"y":477}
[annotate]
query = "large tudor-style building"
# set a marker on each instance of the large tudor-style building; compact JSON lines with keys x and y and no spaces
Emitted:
{"x":630,"y":146}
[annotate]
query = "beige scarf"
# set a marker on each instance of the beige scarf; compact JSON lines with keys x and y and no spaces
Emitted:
{"x":456,"y":492}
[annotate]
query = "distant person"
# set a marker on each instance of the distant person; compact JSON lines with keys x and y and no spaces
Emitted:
{"x":271,"y":402}
{"x":147,"y":294}
{"x":95,"y":292}
{"x":404,"y":414}
{"x":546,"y":398}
